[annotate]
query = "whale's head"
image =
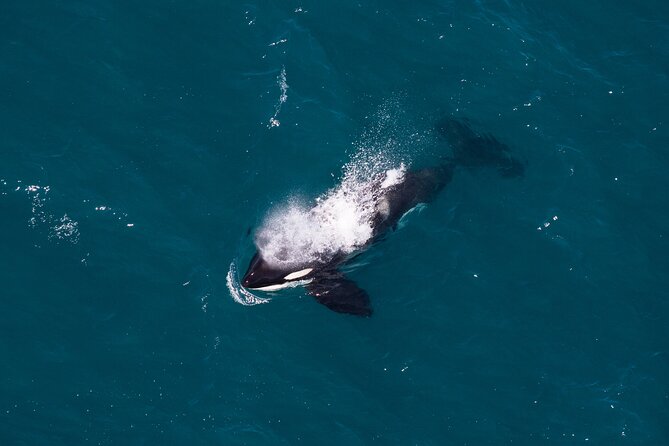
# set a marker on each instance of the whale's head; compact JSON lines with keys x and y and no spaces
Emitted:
{"x":262,"y":275}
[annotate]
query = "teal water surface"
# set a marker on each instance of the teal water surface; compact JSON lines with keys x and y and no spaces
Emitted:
{"x":141,"y":141}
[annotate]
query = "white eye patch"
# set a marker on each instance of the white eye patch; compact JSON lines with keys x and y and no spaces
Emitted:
{"x":298,"y":274}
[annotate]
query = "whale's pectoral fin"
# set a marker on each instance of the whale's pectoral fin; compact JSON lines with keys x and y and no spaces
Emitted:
{"x":341,"y":295}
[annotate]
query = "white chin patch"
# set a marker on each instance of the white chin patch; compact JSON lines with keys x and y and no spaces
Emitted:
{"x":273,"y":287}
{"x":298,"y":274}
{"x":281,"y":286}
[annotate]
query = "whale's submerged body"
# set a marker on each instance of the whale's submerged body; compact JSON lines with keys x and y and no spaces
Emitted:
{"x":308,"y":246}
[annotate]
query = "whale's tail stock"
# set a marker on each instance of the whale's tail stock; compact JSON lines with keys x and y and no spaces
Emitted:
{"x":473,"y":150}
{"x":468,"y":149}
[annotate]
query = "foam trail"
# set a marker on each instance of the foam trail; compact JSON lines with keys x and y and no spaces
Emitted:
{"x":283,"y":85}
{"x":240,"y":294}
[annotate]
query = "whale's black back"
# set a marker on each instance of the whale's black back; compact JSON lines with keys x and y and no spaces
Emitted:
{"x":418,"y":186}
{"x":468,"y":149}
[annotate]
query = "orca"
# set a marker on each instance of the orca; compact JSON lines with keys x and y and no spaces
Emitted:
{"x":394,"y":195}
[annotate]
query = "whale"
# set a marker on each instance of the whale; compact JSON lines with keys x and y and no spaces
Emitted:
{"x":388,"y":196}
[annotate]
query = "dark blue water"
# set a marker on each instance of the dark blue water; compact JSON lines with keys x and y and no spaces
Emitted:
{"x":139,"y":142}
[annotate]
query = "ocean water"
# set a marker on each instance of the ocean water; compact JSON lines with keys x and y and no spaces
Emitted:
{"x":143,"y":142}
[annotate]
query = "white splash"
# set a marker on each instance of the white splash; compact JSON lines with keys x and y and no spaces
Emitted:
{"x":65,"y":229}
{"x":393,"y":177}
{"x":278,"y":42}
{"x":283,"y":85}
{"x":38,"y":197}
{"x":339,"y":223}
{"x":240,"y":294}
{"x":59,"y":228}
{"x":341,"y":220}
